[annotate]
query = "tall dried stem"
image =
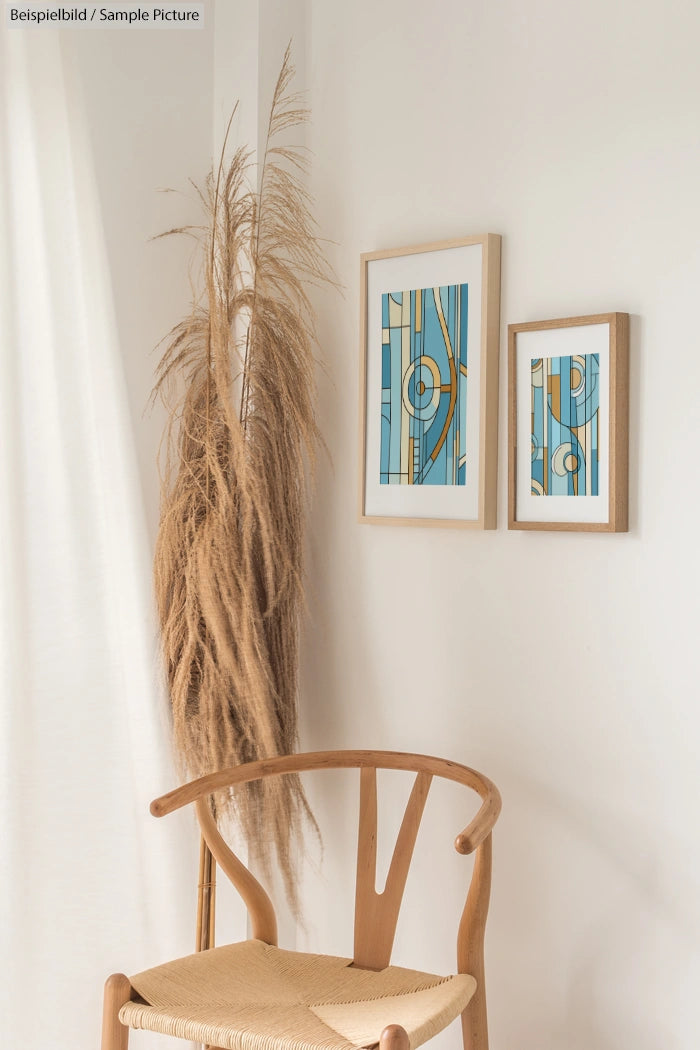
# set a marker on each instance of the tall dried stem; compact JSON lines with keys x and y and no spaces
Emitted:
{"x":240,"y":446}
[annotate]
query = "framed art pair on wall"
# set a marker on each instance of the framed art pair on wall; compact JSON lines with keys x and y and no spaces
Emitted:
{"x":429,"y":399}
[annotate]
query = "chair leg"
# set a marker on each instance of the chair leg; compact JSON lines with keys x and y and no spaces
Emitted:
{"x":474,"y":1024}
{"x":394,"y":1037}
{"x":470,"y":948}
{"x":115,"y":1035}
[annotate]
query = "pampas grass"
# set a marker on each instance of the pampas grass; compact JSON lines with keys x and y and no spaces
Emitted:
{"x":240,"y":445}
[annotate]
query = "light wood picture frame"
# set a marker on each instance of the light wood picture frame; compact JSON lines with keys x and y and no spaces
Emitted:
{"x":429,"y":323}
{"x":568,"y":406}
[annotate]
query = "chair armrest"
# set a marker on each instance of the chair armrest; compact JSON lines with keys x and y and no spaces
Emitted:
{"x":475,"y":832}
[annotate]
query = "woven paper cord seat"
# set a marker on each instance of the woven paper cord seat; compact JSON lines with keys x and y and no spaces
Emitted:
{"x":253,"y":996}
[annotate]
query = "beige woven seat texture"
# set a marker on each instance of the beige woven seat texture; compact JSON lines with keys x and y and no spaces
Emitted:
{"x":253,"y":996}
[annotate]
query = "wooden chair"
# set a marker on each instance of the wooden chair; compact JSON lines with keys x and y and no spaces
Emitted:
{"x":255,"y":996}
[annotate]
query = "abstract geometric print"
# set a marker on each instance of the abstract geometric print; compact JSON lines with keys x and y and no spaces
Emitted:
{"x":565,"y":399}
{"x":424,"y":386}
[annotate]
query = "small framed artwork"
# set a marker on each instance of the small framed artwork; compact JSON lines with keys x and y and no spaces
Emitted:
{"x":568,"y":415}
{"x":429,"y":384}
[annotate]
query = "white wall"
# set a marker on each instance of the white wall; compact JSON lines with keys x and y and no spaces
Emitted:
{"x":564,"y":666}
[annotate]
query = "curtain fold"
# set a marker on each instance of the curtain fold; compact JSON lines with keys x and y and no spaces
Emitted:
{"x":90,"y":882}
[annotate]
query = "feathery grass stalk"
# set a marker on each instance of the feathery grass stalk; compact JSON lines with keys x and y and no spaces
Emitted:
{"x":240,"y":445}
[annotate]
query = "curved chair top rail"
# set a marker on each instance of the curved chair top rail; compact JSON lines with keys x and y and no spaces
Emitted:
{"x":466,"y":842}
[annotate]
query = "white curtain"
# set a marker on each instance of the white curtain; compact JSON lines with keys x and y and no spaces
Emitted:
{"x":90,"y":883}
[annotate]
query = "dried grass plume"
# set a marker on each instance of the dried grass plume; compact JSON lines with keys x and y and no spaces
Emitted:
{"x":237,"y":376}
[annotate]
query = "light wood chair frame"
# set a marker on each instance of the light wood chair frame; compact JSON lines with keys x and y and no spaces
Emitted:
{"x":376,"y":914}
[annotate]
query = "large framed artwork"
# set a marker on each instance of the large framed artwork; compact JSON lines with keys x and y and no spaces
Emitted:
{"x":429,"y":384}
{"x":568,"y":386}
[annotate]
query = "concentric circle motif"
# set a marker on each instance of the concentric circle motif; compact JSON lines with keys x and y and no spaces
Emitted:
{"x":421,"y":388}
{"x":537,"y":372}
{"x":564,"y":460}
{"x":578,"y":376}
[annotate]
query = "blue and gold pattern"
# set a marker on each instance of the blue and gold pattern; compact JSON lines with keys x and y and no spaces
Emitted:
{"x":565,"y":402}
{"x":424,"y":386}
